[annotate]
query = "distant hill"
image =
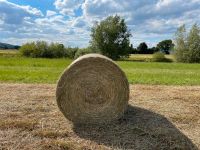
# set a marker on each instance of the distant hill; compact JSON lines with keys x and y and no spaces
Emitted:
{"x":8,"y":46}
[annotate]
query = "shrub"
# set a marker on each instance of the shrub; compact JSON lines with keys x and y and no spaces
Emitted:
{"x":159,"y":57}
{"x":57,"y":50}
{"x":83,"y":51}
{"x":27,"y":49}
{"x":70,"y":52}
{"x":43,"y":49}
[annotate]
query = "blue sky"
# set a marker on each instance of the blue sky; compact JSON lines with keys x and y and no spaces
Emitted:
{"x":42,"y":5}
{"x":69,"y":21}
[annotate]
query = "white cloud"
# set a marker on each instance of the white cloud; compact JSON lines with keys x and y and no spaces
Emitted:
{"x":137,"y":12}
{"x":14,"y":14}
{"x":31,"y":25}
{"x":156,"y":18}
{"x":79,"y":22}
{"x":68,"y":7}
{"x":50,"y":13}
{"x":149,"y":20}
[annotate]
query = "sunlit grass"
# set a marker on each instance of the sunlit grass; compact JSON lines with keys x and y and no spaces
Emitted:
{"x":39,"y":70}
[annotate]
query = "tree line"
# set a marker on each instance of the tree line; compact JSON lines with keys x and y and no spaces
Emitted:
{"x":42,"y":49}
{"x":165,"y":46}
{"x":111,"y":37}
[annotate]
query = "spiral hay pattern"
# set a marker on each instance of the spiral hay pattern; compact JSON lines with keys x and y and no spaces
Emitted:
{"x":93,"y":89}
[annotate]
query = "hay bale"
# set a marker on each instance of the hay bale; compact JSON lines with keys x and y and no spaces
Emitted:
{"x":93,"y":89}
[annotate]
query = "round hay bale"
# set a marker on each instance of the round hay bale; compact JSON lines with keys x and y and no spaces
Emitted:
{"x":93,"y":89}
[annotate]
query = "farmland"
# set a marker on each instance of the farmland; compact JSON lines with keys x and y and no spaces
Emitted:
{"x":161,"y":113}
{"x":159,"y":117}
{"x":143,"y":95}
{"x":40,"y":70}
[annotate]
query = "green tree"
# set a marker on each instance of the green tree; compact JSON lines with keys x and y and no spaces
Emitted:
{"x":28,"y":49}
{"x":83,"y":51}
{"x":180,"y":44}
{"x":41,"y":47}
{"x":187,"y":47}
{"x":193,"y":41}
{"x":133,"y":51}
{"x":71,"y":52}
{"x":111,"y":37}
{"x":165,"y":46}
{"x":153,"y":50}
{"x":57,"y":50}
{"x":142,"y":48}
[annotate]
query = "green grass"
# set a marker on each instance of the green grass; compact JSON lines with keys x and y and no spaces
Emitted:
{"x":38,"y":70}
{"x":31,"y":70}
{"x":162,"y":73}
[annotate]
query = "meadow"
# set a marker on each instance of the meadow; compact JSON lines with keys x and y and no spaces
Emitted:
{"x":16,"y":69}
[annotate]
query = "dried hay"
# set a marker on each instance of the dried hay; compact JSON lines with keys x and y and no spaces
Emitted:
{"x":93,"y":89}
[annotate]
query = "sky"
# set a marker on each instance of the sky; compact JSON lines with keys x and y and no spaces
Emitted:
{"x":69,"y":21}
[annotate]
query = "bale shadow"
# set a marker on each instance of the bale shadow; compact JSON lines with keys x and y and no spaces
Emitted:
{"x":138,"y":129}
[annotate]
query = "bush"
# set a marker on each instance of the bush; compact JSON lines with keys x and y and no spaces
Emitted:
{"x":159,"y":57}
{"x":43,"y":49}
{"x":57,"y":50}
{"x":27,"y":49}
{"x":83,"y":51}
{"x":71,"y":52}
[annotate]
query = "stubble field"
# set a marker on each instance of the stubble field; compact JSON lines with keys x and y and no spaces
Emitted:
{"x":158,"y":117}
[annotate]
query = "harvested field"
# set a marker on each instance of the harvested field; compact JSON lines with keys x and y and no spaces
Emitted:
{"x":159,"y":117}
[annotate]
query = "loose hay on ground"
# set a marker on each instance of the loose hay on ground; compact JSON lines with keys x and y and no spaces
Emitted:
{"x":153,"y":121}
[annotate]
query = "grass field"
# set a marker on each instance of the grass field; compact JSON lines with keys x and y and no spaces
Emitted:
{"x":36,"y":70}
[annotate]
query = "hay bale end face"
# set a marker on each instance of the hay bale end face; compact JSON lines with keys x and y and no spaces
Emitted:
{"x":93,"y":89}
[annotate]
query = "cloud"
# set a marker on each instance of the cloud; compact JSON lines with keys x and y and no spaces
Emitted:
{"x":71,"y":20}
{"x":68,"y":7}
{"x":146,"y":17}
{"x":138,"y":12}
{"x":50,"y":13}
{"x":79,"y":22}
{"x":19,"y":24}
{"x":15,"y":14}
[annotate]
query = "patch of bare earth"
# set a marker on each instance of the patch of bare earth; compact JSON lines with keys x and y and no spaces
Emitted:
{"x":158,"y":117}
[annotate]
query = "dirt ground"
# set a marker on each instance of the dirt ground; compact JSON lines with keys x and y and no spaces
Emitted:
{"x":158,"y":117}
